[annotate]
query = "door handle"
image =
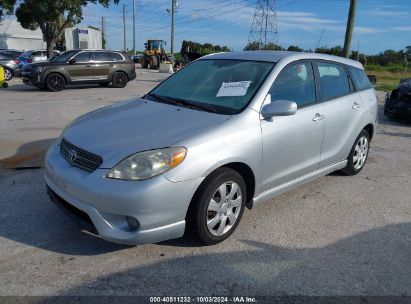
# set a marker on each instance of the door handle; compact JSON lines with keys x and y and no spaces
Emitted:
{"x":356,"y":106}
{"x":318,"y":117}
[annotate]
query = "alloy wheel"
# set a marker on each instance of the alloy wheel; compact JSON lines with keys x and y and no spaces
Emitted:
{"x":8,"y":74}
{"x":121,"y":80}
{"x":224,"y":208}
{"x":360,"y":153}
{"x":55,"y":82}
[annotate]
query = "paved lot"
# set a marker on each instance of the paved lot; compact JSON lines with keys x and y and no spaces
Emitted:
{"x":334,"y":236}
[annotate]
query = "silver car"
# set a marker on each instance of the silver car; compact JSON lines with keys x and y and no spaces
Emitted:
{"x":229,"y":131}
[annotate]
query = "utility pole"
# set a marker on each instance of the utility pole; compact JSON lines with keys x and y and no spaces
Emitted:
{"x":103,"y":38}
{"x":124,"y":28}
{"x":173,"y":6}
{"x":134,"y":27}
{"x":350,"y":28}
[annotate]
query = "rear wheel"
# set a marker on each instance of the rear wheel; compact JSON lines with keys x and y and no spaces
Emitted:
{"x":8,"y":74}
{"x":120,"y":80}
{"x":55,"y":82}
{"x":217,"y":207}
{"x":358,"y":154}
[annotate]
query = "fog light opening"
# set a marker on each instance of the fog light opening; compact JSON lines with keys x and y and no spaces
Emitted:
{"x":132,"y":223}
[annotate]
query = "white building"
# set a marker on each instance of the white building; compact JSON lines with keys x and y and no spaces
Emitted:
{"x":83,"y":38}
{"x":14,"y":36}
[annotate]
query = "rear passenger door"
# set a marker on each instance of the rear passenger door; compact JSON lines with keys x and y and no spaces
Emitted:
{"x":342,"y":110}
{"x":101,"y":64}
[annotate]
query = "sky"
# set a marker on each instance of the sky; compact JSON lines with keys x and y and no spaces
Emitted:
{"x":379,"y":24}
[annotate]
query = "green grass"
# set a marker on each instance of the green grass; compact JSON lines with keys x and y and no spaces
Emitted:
{"x":388,"y":77}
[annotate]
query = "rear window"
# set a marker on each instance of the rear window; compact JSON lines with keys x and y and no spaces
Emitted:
{"x":333,"y":80}
{"x":361,"y":81}
{"x":101,"y":56}
{"x":116,"y":57}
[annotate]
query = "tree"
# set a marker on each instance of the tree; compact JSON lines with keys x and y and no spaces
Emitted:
{"x":52,"y":16}
{"x":295,"y":48}
{"x":255,"y":45}
{"x":6,"y":6}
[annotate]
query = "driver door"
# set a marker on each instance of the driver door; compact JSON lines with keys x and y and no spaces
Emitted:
{"x":292,"y":144}
{"x":80,"y":70}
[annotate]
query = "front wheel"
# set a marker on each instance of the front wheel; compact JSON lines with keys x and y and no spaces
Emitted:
{"x":55,"y":82}
{"x":218,"y":206}
{"x":120,"y":80}
{"x":358,"y":154}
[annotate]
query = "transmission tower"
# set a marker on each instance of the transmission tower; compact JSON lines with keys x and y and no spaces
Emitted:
{"x":264,"y":27}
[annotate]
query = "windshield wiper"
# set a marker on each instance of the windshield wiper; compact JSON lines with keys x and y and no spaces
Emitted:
{"x":180,"y":101}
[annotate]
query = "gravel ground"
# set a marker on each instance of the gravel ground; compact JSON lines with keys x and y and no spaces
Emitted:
{"x":337,"y":235}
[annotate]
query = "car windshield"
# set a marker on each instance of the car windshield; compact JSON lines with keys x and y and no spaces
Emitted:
{"x":63,"y":57}
{"x":220,"y":86}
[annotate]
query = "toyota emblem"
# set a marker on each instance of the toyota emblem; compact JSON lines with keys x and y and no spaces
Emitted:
{"x":72,"y":155}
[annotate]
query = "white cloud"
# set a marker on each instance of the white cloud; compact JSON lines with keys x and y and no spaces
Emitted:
{"x":402,"y":28}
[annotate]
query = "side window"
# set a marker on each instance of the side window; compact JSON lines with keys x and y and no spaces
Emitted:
{"x":101,"y":56}
{"x":359,"y":78}
{"x":333,"y":80}
{"x":82,"y":57}
{"x":36,"y":53}
{"x":295,"y":83}
{"x":116,"y":57}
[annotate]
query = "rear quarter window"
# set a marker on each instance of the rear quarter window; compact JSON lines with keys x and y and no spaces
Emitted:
{"x":360,"y":79}
{"x":116,"y":57}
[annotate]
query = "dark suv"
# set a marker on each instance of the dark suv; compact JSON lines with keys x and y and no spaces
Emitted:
{"x":81,"y":67}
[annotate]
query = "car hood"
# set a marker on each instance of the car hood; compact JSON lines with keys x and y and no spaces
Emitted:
{"x":125,"y":128}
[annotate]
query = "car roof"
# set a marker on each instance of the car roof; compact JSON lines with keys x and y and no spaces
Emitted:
{"x":276,"y":56}
{"x":91,"y":50}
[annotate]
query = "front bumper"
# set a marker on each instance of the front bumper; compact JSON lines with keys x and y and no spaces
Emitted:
{"x":159,"y":205}
{"x":31,"y":79}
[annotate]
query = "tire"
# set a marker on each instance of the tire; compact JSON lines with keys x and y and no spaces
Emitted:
{"x":358,"y":154}
{"x":55,"y":82}
{"x":119,"y":80}
{"x":154,"y":61}
{"x":5,"y":85}
{"x":208,"y":205}
{"x":145,"y":62}
{"x":8,"y":74}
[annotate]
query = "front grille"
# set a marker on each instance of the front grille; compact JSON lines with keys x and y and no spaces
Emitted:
{"x":79,"y":157}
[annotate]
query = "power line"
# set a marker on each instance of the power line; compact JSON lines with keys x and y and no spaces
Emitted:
{"x":264,"y":27}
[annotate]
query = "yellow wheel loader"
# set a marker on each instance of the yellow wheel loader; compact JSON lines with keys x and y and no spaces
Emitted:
{"x":154,"y":54}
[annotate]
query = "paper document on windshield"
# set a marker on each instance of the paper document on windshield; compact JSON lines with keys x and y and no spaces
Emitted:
{"x":233,"y":88}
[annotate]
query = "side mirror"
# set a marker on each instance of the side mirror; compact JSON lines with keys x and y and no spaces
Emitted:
{"x":72,"y":61}
{"x":279,"y":108}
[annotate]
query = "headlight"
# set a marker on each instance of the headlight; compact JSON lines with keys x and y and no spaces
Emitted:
{"x":145,"y":165}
